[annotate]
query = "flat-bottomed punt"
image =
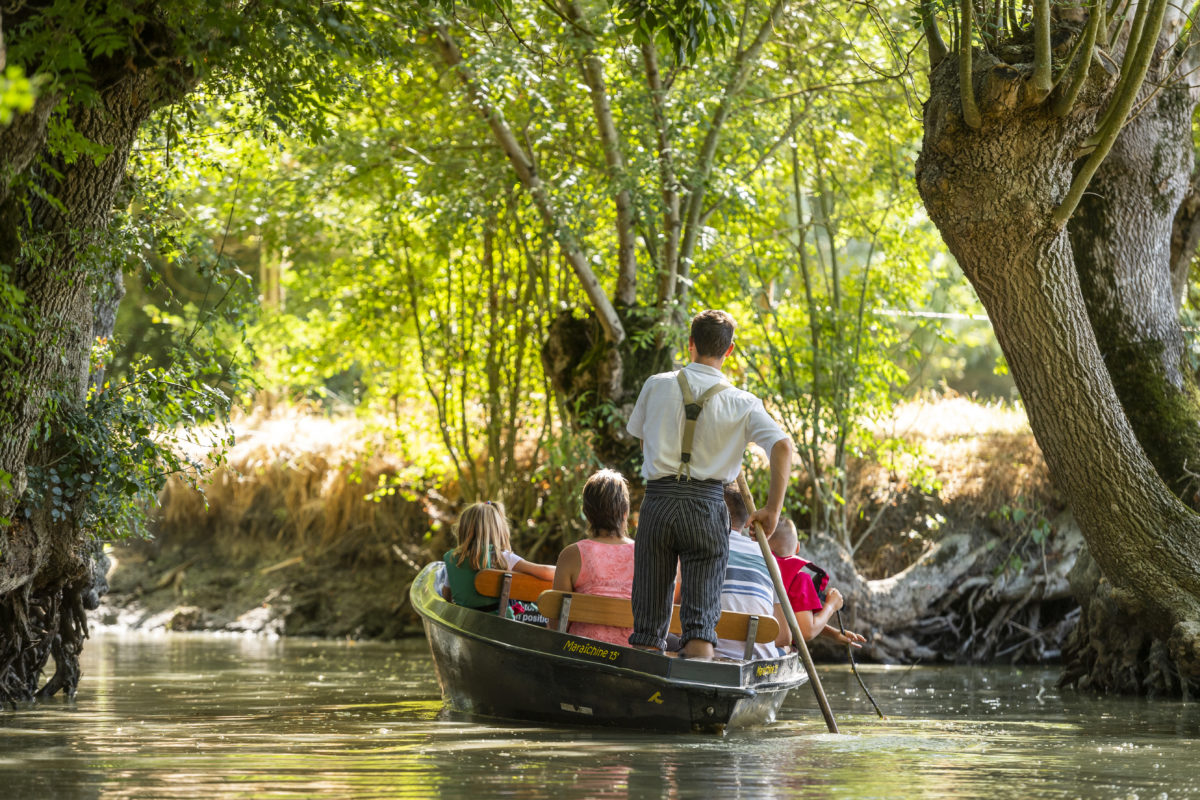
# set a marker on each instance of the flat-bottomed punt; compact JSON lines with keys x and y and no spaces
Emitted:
{"x":494,"y":667}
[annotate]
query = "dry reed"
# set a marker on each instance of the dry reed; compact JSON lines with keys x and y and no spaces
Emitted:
{"x":296,"y":482}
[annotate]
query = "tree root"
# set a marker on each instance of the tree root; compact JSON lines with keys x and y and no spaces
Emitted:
{"x":37,"y":626}
{"x":1113,"y":652}
{"x":958,"y":603}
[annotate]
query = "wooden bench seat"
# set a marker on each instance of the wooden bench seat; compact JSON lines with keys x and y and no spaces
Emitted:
{"x":509,"y":586}
{"x":570,"y":607}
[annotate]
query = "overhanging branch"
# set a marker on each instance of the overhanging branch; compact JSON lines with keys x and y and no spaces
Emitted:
{"x":522,"y":164}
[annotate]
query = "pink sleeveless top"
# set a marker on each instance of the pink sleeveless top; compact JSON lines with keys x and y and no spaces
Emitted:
{"x":607,"y":570}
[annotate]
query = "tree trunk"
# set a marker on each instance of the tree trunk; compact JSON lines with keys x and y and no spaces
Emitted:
{"x":49,"y":570}
{"x":991,"y":191}
{"x":599,"y":381}
{"x":1121,"y":236}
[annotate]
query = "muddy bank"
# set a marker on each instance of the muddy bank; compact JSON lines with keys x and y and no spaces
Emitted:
{"x":297,"y":538}
{"x":192,"y":586}
{"x":306,"y":530}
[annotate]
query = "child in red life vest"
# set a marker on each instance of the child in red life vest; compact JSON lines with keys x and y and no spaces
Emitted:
{"x":803,"y":588}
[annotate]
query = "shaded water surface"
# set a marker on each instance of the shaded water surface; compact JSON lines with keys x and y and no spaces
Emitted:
{"x":189,"y":716}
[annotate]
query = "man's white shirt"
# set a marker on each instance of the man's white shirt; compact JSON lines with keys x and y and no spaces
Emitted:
{"x":730,"y":420}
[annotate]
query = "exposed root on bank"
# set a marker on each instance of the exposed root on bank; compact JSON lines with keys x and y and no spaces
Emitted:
{"x":35,"y":628}
{"x":39,"y":625}
{"x":1113,"y":652}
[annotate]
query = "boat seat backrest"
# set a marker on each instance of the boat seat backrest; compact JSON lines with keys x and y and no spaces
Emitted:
{"x":523,"y":587}
{"x":619,"y":613}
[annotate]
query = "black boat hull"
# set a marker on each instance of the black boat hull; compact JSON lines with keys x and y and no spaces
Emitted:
{"x":498,"y":668}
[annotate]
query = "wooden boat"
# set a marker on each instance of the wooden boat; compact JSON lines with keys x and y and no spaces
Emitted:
{"x":495,"y":667}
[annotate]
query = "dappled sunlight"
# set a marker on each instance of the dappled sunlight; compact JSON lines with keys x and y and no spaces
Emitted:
{"x":950,"y":416}
{"x":983,"y":454}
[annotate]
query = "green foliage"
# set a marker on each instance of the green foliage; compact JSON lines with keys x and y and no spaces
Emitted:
{"x":116,"y":455}
{"x":680,"y":27}
{"x":16,"y":93}
{"x":402,"y":269}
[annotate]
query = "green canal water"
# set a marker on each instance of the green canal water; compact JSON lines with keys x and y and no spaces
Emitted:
{"x":218,"y":717}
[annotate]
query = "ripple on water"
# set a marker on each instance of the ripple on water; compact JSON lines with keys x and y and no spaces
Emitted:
{"x":222,"y":717}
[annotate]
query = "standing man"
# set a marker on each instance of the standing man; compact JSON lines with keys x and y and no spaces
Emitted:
{"x":689,"y":454}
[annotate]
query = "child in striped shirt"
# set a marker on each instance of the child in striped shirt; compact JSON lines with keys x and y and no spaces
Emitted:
{"x":747,"y":587}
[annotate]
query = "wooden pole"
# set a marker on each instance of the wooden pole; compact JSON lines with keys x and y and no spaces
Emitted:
{"x":777,"y":579}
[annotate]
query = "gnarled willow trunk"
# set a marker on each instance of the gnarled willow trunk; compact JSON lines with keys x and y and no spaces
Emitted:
{"x":600,"y":381}
{"x":991,"y":191}
{"x":51,"y":210}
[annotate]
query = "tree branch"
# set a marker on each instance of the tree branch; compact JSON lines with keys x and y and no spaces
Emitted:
{"x":966,"y":85}
{"x":1041,"y":78}
{"x":742,"y":63}
{"x":1133,"y":73}
{"x":522,"y":164}
{"x":1066,"y":101}
{"x":672,"y":223}
{"x":933,"y":36}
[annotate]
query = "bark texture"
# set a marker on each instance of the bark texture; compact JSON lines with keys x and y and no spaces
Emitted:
{"x":600,"y":381}
{"x":1133,"y":237}
{"x":1121,"y":237}
{"x":992,"y":191}
{"x":53,"y":209}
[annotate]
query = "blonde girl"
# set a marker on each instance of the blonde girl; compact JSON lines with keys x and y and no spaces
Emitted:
{"x":483,"y":543}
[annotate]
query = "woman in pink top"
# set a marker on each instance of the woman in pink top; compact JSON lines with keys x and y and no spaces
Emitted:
{"x":603,"y":563}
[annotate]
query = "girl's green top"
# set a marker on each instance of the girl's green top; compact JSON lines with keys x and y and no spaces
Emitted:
{"x":462,"y":582}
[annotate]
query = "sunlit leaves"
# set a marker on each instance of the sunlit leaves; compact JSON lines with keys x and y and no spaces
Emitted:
{"x":16,"y":93}
{"x":414,"y":269}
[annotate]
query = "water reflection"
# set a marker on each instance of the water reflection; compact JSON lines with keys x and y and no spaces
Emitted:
{"x":180,"y":716}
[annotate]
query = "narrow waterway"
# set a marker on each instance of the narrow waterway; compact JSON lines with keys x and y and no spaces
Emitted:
{"x":219,"y":717}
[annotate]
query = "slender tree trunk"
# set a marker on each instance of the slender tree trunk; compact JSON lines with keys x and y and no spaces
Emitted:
{"x":523,"y":166}
{"x":592,"y":68}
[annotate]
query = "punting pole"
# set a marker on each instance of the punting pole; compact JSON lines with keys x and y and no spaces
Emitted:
{"x":854,"y":669}
{"x":777,"y":579}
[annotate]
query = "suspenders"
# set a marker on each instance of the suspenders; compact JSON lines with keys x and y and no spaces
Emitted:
{"x":691,"y":412}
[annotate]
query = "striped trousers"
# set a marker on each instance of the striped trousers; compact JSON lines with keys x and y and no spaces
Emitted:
{"x":682,"y":522}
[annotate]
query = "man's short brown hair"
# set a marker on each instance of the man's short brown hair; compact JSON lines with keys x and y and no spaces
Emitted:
{"x":606,"y":502}
{"x":712,"y":332}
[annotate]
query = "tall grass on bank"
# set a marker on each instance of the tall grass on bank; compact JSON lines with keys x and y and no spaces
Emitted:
{"x":984,"y":454}
{"x":299,"y":483}
{"x":986,"y":470}
{"x":295,"y":483}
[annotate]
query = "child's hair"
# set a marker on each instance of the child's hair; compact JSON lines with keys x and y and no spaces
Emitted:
{"x":783,"y":540}
{"x":606,"y":502}
{"x":481,"y":528}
